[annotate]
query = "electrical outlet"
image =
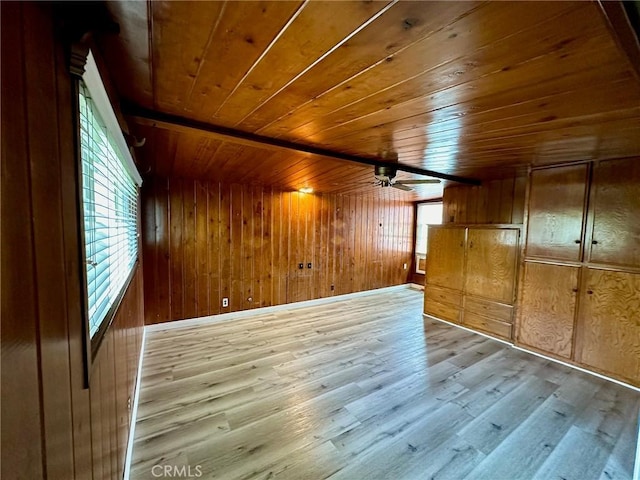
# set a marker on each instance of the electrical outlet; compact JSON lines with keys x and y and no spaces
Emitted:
{"x":225,"y":302}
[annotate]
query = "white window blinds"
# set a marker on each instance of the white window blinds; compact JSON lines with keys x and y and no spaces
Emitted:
{"x":110,"y":202}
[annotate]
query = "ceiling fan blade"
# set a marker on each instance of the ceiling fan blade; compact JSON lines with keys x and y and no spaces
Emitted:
{"x":418,"y":182}
{"x":341,"y":184}
{"x":400,"y":186}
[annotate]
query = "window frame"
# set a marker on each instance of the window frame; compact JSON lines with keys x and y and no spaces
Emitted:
{"x":89,"y":74}
{"x":419,"y":255}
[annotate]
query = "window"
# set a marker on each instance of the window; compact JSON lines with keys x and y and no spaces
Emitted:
{"x":109,"y":201}
{"x":427,"y":214}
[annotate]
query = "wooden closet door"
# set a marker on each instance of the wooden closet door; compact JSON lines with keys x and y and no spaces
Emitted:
{"x":547,"y":307}
{"x":556,"y":211}
{"x":615,"y":201}
{"x":609,"y":329}
{"x":445,"y":257}
{"x":491,"y":263}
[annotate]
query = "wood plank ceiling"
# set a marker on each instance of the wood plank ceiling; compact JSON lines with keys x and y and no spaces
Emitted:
{"x":476,"y":89}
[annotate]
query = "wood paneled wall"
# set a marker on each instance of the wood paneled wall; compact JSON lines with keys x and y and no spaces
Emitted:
{"x":495,"y":201}
{"x":52,"y":426}
{"x":203,"y":241}
{"x":112,"y":386}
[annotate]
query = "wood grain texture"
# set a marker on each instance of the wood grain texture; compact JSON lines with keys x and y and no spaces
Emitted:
{"x":491,"y":263}
{"x":495,"y":310}
{"x":351,"y":390}
{"x":495,"y":201}
{"x":615,"y":203}
{"x":605,"y":236}
{"x":444,"y":311}
{"x":471,"y":276}
{"x":440,"y":84}
{"x":547,"y":308}
{"x":21,"y":410}
{"x":487,"y":324}
{"x":53,"y":426}
{"x":445,"y":262}
{"x":443,"y":295}
{"x":48,"y":244}
{"x":556,"y":212}
{"x":256,"y":239}
{"x":609,"y":331}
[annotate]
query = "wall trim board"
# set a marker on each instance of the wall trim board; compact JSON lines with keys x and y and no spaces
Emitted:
{"x":636,"y":470}
{"x":526,"y":350}
{"x":134,"y":409}
{"x":226,"y":317}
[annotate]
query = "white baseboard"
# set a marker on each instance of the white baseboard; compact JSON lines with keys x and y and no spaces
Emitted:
{"x":425,"y":315}
{"x":134,"y":411}
{"x":223,"y":317}
{"x":537,"y":354}
{"x":636,"y":470}
{"x":322,"y":301}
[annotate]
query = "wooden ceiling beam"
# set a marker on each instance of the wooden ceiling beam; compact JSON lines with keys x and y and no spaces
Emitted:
{"x":151,"y":118}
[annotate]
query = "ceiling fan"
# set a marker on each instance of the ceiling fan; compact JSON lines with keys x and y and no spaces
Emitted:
{"x":385,"y":174}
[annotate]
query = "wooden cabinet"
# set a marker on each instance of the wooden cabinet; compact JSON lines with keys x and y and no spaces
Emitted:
{"x":445,"y":261}
{"x":442,"y":303}
{"x":580,"y":294}
{"x":615,"y":202}
{"x":609,"y":323}
{"x":445,"y":272}
{"x":491,"y":263}
{"x":471,"y":276}
{"x":580,"y":285}
{"x":556,"y":212}
{"x":488,"y":325}
{"x":547,"y":307}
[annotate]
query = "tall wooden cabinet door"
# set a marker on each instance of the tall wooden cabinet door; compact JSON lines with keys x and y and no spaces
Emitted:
{"x":492,"y":254}
{"x":556,"y":211}
{"x":615,"y":202}
{"x":445,"y":258}
{"x":547,"y":307}
{"x":609,"y":329}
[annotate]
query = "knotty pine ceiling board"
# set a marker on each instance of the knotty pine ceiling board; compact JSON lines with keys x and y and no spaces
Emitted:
{"x":128,"y":54}
{"x":186,"y":155}
{"x":477,"y":89}
{"x":422,"y":69}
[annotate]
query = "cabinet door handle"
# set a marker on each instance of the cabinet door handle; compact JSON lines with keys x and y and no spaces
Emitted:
{"x":594,"y":242}
{"x":590,"y":292}
{"x":462,"y":244}
{"x":577,"y":241}
{"x":470,"y":244}
{"x":574,"y":290}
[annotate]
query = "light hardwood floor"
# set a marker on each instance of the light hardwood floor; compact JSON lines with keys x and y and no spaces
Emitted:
{"x":363,"y":389}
